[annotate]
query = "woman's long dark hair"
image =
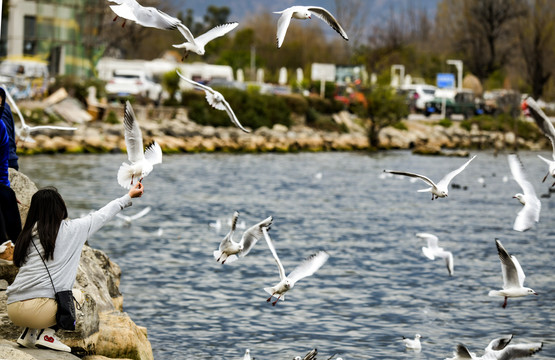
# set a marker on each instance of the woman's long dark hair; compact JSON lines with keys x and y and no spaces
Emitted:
{"x":47,"y":210}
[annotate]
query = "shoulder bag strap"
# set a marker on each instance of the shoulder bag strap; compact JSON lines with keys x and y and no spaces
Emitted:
{"x":52,"y":282}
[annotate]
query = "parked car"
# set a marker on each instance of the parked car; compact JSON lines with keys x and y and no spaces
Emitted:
{"x":133,"y":82}
{"x":419,"y":95}
{"x":464,"y":103}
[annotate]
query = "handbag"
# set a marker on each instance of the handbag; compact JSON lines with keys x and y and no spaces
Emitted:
{"x":65,"y":316}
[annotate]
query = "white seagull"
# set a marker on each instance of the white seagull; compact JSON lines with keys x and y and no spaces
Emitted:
{"x":24,"y":132}
{"x":499,"y":349}
{"x":531,"y":107}
{"x":216,"y":100}
{"x":197,"y":44}
{"x":141,"y":162}
{"x":308,"y":267}
{"x":129,"y":219}
{"x":441,"y":189}
{"x":302,"y":13}
{"x":146,"y":16}
{"x":247,"y":355}
{"x":433,"y":251}
{"x":229,"y":250}
{"x":413,"y":344}
{"x":513,"y":276}
{"x":530,"y":213}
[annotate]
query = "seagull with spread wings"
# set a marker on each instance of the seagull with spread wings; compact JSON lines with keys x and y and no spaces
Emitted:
{"x":499,"y":349}
{"x":229,"y":250}
{"x":441,"y":189}
{"x":129,"y":219}
{"x":302,"y":13}
{"x":513,"y":276}
{"x":308,"y":267}
{"x":24,"y":132}
{"x":141,"y":161}
{"x":197,"y":44}
{"x":530,"y":213}
{"x":433,"y":250}
{"x":531,"y":107}
{"x":216,"y":100}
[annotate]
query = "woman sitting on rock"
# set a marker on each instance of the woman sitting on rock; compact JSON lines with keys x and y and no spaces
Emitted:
{"x":31,"y":301}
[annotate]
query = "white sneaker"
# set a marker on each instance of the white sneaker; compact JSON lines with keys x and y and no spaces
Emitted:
{"x":28,"y":338}
{"x":47,"y":339}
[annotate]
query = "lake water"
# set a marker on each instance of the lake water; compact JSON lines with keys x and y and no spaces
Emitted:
{"x":376,"y":286}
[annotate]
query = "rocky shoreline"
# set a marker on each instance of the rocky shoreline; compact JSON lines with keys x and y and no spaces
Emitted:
{"x":103,"y":330}
{"x":176,"y":133}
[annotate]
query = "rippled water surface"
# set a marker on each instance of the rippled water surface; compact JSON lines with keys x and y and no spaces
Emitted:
{"x":376,"y":287}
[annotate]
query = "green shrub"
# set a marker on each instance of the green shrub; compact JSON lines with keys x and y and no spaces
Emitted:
{"x":446,"y":123}
{"x":112,"y":118}
{"x":323,"y":122}
{"x":503,"y":123}
{"x":296,"y":103}
{"x":400,"y":126}
{"x":252,"y":110}
{"x":324,"y":106}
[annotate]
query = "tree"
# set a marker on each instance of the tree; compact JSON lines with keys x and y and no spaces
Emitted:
{"x":537,"y":43}
{"x":383,"y":108}
{"x":481,"y":32}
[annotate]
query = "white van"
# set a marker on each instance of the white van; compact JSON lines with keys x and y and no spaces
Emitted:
{"x":421,"y":93}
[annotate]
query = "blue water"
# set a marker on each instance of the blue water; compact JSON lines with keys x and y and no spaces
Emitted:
{"x":376,"y":287}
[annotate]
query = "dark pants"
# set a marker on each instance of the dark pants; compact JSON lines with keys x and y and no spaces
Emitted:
{"x":10,"y":222}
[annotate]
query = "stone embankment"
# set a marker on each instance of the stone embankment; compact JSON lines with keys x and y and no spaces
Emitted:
{"x":103,"y":330}
{"x":175,"y":133}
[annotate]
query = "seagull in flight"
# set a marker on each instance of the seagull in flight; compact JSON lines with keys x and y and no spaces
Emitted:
{"x":499,"y":349}
{"x":433,"y":251}
{"x":413,"y":344}
{"x":530,"y":213}
{"x":197,"y":44}
{"x":531,"y":107}
{"x":513,"y":276}
{"x":24,"y":132}
{"x":141,"y":162}
{"x":441,"y":189}
{"x":302,"y":13}
{"x":129,"y":219}
{"x":146,"y":16}
{"x":229,"y":250}
{"x":216,"y":100}
{"x":308,"y":267}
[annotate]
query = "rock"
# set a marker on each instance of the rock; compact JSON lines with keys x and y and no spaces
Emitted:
{"x":118,"y":328}
{"x":24,"y":189}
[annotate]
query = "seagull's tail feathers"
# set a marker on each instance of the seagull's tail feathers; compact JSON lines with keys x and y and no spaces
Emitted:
{"x":546,"y":160}
{"x":125,"y":174}
{"x":425,"y":190}
{"x":153,"y":153}
{"x":212,"y":101}
{"x":230,"y":259}
{"x":269,"y":290}
{"x":217,"y":254}
{"x":278,"y":12}
{"x":495,"y":293}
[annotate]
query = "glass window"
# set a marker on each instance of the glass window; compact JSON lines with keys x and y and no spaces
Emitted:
{"x":29,"y":35}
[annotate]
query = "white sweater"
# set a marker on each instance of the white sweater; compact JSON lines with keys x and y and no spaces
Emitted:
{"x":32,"y":281}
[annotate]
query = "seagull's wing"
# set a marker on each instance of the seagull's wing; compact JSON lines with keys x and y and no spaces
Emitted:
{"x":517,"y":170}
{"x":328,"y":19}
{"x":542,"y":121}
{"x":153,"y":153}
{"x":519,"y":351}
{"x":141,"y":213}
{"x":133,"y":135}
{"x":447,"y":178}
{"x":215,"y":32}
{"x":282,"y":25}
{"x":308,"y":266}
{"x":404,"y":173}
{"x":499,"y":343}
{"x":448,"y":256}
{"x":151,"y":17}
{"x":462,"y":352}
{"x":510,"y":268}
{"x":14,"y":105}
{"x":430,"y":238}
{"x":273,"y":250}
{"x":232,"y":116}
{"x":184,"y":30}
{"x":124,"y":217}
{"x":252,"y":235}
{"x":41,"y":127}
{"x":228,"y":238}
{"x":527,"y":216}
{"x":234,"y":218}
{"x":197,"y":84}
